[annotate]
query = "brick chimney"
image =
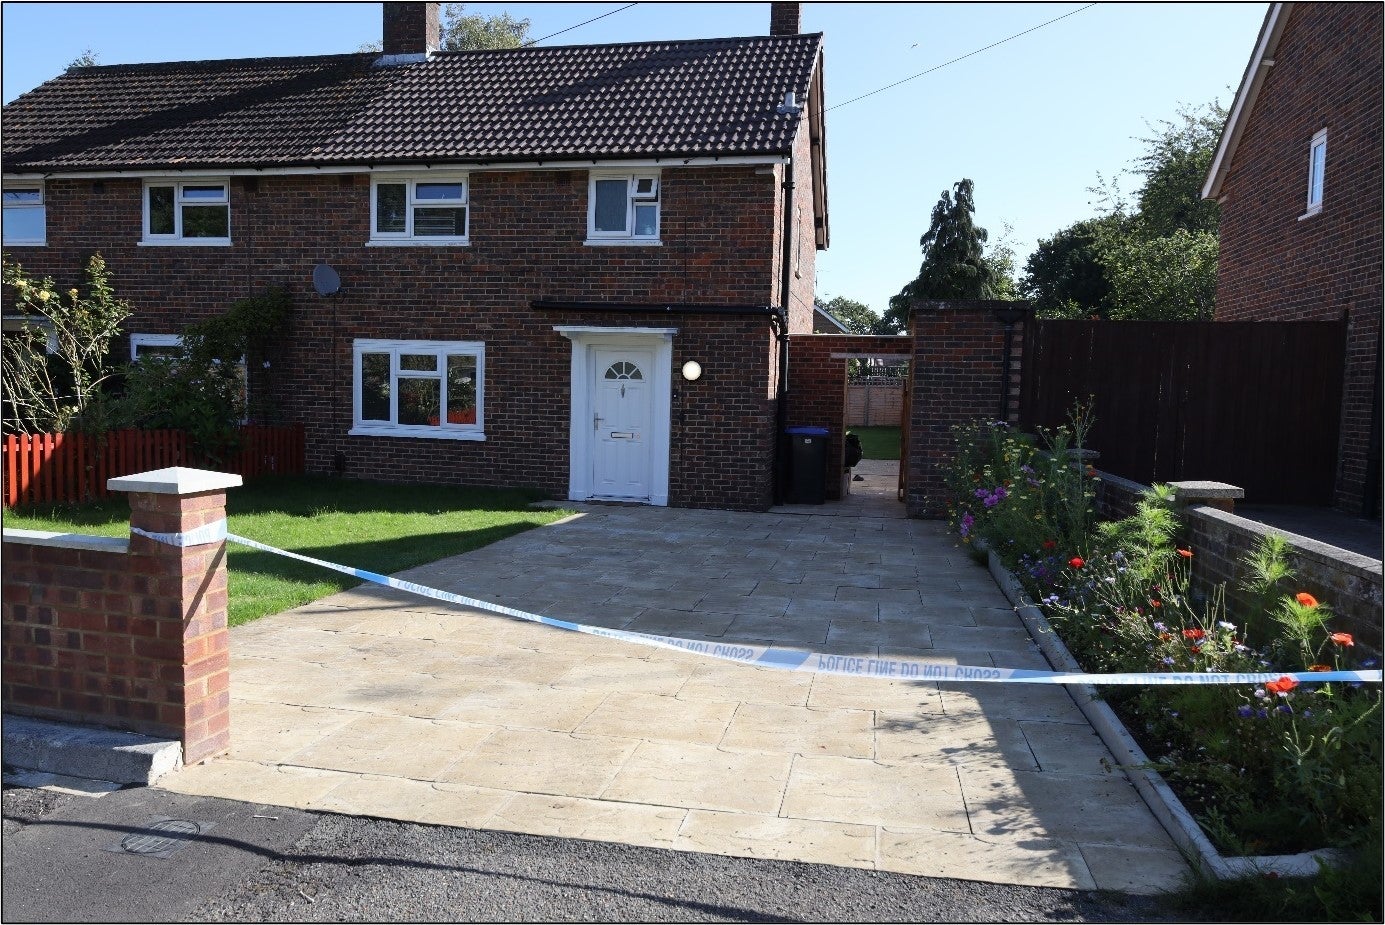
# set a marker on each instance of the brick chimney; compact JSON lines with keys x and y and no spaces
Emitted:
{"x":411,"y":28}
{"x":783,"y":19}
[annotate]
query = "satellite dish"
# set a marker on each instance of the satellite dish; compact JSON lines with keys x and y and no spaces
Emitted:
{"x":325,"y":280}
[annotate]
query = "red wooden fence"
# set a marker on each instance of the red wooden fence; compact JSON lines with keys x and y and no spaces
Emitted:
{"x":71,"y":468}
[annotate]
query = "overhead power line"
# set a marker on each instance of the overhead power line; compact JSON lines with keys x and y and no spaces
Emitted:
{"x":578,"y":26}
{"x":961,"y":58}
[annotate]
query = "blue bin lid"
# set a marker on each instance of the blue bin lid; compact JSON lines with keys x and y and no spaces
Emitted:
{"x":806,"y":431}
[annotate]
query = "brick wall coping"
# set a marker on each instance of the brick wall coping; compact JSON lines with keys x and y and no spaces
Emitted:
{"x":1206,"y":491}
{"x":67,"y":540}
{"x":1115,"y":481}
{"x":175,"y":480}
{"x":1309,"y":548}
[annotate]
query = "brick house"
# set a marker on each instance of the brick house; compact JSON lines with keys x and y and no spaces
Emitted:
{"x":1298,"y":175}
{"x":536,"y":247}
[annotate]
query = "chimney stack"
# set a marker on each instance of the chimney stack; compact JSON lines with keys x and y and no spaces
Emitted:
{"x":784,"y":19}
{"x":411,"y":28}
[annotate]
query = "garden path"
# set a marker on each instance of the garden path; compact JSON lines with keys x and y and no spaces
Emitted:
{"x":374,"y":702}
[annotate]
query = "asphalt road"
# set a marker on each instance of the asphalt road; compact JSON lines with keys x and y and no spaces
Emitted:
{"x":62,"y":863}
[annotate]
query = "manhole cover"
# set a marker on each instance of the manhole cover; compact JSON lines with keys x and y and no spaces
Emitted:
{"x":160,"y":839}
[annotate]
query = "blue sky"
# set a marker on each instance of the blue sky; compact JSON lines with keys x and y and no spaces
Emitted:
{"x":1032,"y":121}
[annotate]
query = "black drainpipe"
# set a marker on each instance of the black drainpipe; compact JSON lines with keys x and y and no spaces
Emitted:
{"x":1007,"y":316}
{"x":782,"y":396}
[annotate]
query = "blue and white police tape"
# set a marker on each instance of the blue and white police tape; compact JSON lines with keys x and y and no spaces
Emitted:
{"x":797,"y":659}
{"x":213,"y":532}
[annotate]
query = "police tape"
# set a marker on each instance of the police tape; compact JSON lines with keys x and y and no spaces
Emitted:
{"x":785,"y":659}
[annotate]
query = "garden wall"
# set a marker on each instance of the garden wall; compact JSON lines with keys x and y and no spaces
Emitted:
{"x":817,"y":385}
{"x":1350,"y":583}
{"x":959,"y":376}
{"x":127,"y":633}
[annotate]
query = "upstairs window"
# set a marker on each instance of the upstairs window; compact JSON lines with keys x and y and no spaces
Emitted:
{"x":624,"y":208}
{"x":191,"y":212}
{"x":419,"y":388}
{"x":1317,"y":169}
{"x":25,"y":216}
{"x":418,"y":210}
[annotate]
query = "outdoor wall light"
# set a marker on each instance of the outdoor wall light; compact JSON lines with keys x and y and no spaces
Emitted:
{"x":692,"y":370}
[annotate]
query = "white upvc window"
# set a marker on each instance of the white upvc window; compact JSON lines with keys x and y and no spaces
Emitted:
{"x":419,"y":388}
{"x":426,"y":209}
{"x":34,"y":326}
{"x":1317,"y":171}
{"x":143,"y":345}
{"x":195,"y":212}
{"x":25,"y":216}
{"x":623,"y":208}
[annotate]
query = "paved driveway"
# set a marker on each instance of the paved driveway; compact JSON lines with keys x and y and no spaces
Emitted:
{"x":373,"y":702}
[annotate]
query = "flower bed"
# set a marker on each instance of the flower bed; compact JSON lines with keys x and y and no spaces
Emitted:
{"x":1278,"y":769}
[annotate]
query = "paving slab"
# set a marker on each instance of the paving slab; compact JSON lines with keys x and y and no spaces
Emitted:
{"x":379,"y":703}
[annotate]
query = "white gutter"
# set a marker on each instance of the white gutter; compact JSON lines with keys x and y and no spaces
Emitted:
{"x":1256,"y":71}
{"x":454,"y":167}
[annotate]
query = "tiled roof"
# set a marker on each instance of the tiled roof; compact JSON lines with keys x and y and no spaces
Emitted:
{"x":648,"y":99}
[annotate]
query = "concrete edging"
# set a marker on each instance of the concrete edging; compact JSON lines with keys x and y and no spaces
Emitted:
{"x":1162,"y":801}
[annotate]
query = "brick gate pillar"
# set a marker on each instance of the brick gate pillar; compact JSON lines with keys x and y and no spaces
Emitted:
{"x":187,"y":599}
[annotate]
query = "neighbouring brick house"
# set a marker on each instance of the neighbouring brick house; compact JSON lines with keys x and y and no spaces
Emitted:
{"x":531,"y":243}
{"x":1298,"y":175}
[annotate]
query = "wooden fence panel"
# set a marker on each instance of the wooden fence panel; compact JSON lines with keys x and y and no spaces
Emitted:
{"x":72,"y":468}
{"x":1256,"y":404}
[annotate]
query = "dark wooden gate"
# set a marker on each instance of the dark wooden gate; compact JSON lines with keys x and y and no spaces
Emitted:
{"x":1256,"y":404}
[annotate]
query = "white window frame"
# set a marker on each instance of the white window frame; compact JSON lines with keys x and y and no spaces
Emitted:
{"x":1319,"y":143}
{"x":411,"y":202}
{"x":41,"y":206}
{"x":442,"y":349}
{"x":627,"y":237}
{"x":176,"y":239}
{"x":152,"y":340}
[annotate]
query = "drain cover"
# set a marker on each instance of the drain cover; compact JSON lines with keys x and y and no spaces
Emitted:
{"x":160,"y":839}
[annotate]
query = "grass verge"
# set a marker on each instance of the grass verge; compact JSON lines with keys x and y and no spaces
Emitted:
{"x":878,"y":442}
{"x":377,"y":526}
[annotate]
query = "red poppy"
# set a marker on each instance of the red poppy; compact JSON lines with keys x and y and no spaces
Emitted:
{"x":1282,"y":686}
{"x":1050,"y":544}
{"x":1342,"y":639}
{"x":1155,"y":604}
{"x":1319,"y":667}
{"x":1306,"y":599}
{"x":1186,"y":553}
{"x":1195,"y":634}
{"x":1195,"y":649}
{"x":1077,"y":562}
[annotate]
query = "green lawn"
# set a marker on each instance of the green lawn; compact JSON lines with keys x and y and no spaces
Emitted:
{"x":370,"y":525}
{"x":878,"y":442}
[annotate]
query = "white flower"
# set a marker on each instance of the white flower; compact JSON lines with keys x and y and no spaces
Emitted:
{"x":1226,"y":626}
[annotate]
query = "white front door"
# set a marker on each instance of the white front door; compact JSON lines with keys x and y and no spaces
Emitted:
{"x":622,"y":402}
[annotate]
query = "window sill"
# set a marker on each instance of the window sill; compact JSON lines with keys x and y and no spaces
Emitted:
{"x":420,"y":433}
{"x":187,"y":242}
{"x":26,"y":243}
{"x":418,"y":242}
{"x":623,"y":242}
{"x":1316,"y":210}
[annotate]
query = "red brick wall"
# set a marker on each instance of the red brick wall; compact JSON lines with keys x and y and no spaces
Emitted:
{"x":817,"y":385}
{"x":958,"y":353}
{"x":133,"y":640}
{"x":527,"y":229}
{"x":1327,"y":73}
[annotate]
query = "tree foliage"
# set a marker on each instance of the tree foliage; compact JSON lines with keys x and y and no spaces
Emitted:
{"x":1167,"y":278}
{"x":955,"y":262}
{"x":56,"y":364}
{"x":463,"y":31}
{"x":202,"y":387}
{"x":858,"y":317}
{"x":87,"y":58}
{"x":1154,"y":260}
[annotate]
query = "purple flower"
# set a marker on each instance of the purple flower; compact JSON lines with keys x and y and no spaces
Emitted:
{"x":1284,"y":708}
{"x":1161,"y":627}
{"x":968,"y":522}
{"x":1263,"y":714}
{"x":1167,"y":660}
{"x":1244,"y":712}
